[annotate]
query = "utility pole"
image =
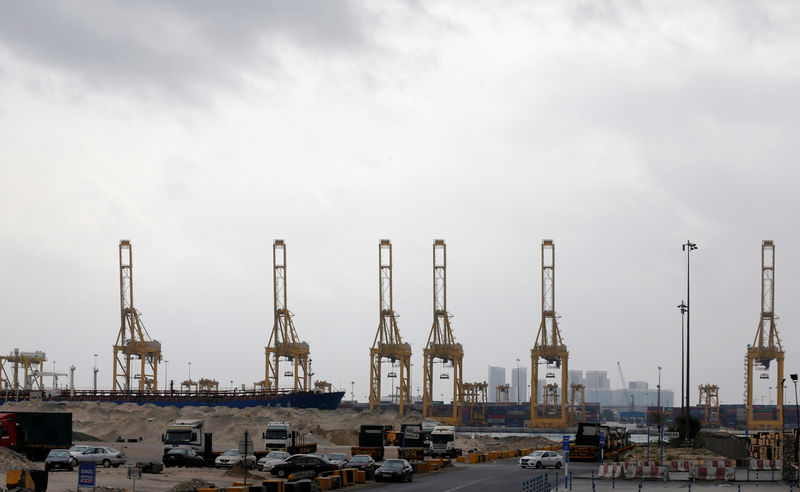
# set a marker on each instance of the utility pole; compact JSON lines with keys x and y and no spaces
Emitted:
{"x":688,"y":247}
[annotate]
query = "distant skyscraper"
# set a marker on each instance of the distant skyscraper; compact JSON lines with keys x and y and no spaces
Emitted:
{"x":597,"y":380}
{"x":497,"y":377}
{"x":575,"y":377}
{"x":519,"y":385}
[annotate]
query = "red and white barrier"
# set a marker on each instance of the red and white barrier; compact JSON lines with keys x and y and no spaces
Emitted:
{"x":765,"y":464}
{"x":646,"y":472}
{"x":612,"y":470}
{"x":680,"y":465}
{"x":719,"y":463}
{"x":712,"y":473}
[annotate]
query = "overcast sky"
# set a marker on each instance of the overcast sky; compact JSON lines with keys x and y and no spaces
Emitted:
{"x":203,"y":131}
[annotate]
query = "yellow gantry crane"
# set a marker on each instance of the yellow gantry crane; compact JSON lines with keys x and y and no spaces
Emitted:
{"x":577,"y":392}
{"x":441,"y":343}
{"x":133,"y":341}
{"x":283,"y":341}
{"x":550,"y":347}
{"x":766,"y":346}
{"x":475,"y":399}
{"x":501,"y":393}
{"x":388,"y":346}
{"x":709,"y":402}
{"x":30,"y":364}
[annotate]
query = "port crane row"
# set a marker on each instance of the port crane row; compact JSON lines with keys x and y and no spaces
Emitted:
{"x":137,"y":356}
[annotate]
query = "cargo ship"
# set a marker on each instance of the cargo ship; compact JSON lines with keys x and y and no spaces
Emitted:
{"x":323,"y":400}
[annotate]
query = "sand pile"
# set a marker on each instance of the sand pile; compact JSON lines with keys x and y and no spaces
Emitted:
{"x":108,"y":421}
{"x":193,"y":484}
{"x":238,"y":472}
{"x":328,"y":428}
{"x":11,"y":460}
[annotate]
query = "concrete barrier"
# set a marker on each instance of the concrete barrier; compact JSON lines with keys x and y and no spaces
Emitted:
{"x":680,"y":465}
{"x":719,"y":463}
{"x":765,"y":464}
{"x":637,"y":470}
{"x":712,"y":473}
{"x":611,"y":470}
{"x":274,"y":485}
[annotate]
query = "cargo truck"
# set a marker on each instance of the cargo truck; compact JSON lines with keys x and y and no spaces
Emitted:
{"x":443,"y":442}
{"x":370,"y":441}
{"x":412,"y":442}
{"x":594,"y":441}
{"x":280,"y":436}
{"x":189,"y":434}
{"x":34,"y":434}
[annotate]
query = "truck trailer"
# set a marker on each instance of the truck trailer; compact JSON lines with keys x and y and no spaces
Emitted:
{"x":34,"y":434}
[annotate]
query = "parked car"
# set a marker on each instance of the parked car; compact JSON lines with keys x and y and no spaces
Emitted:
{"x":337,"y":459}
{"x":541,"y":459}
{"x":58,"y":458}
{"x":103,"y":456}
{"x":361,"y":462}
{"x":74,"y":451}
{"x":182,"y":457}
{"x":271,"y":459}
{"x":302,"y":462}
{"x":233,"y":457}
{"x":394,"y":470}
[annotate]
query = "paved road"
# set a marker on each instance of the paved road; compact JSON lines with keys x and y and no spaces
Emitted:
{"x":506,"y":475}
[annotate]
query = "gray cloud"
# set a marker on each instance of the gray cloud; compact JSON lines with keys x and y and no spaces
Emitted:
{"x":172,"y":48}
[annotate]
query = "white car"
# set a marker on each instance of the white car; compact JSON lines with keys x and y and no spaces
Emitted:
{"x":233,"y":457}
{"x":542,"y":459}
{"x":271,"y":459}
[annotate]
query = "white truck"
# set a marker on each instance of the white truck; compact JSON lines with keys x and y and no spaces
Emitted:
{"x":186,"y":434}
{"x":279,"y":435}
{"x":443,"y":441}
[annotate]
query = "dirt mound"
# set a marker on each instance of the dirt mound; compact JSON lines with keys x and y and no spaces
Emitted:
{"x":343,"y":437}
{"x":11,"y":460}
{"x":82,"y":436}
{"x":238,"y":472}
{"x":193,"y":484}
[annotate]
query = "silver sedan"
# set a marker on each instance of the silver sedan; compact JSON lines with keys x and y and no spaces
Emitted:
{"x":103,"y":456}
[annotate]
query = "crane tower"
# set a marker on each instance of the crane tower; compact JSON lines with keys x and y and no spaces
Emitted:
{"x":387,"y":343}
{"x":30,"y":364}
{"x":709,"y":402}
{"x":550,"y":347}
{"x":133,"y":341}
{"x":766,"y":346}
{"x":441,"y":343}
{"x":283,"y":341}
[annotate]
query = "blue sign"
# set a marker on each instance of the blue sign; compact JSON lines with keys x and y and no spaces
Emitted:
{"x":602,"y":438}
{"x":565,"y":448}
{"x":86,"y":474}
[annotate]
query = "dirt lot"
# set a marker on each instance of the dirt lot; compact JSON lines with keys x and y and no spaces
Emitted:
{"x":102,"y":423}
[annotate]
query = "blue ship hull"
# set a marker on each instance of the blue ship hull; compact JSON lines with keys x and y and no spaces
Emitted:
{"x":305,"y":399}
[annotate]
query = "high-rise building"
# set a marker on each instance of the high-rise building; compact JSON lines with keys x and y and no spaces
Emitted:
{"x":519,"y":384}
{"x":575,"y":377}
{"x":497,"y":377}
{"x":597,"y":380}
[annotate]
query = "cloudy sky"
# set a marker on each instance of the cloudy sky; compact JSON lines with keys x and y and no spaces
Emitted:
{"x":203,"y":131}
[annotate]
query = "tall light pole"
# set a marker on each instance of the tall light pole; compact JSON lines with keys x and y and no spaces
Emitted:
{"x":683,"y":309}
{"x":688,"y":247}
{"x":166,"y":375}
{"x":95,"y":373}
{"x":518,"y":381}
{"x":797,"y":419}
{"x":190,"y":373}
{"x":352,"y":391}
{"x":660,"y":418}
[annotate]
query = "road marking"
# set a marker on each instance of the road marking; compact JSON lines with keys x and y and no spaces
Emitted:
{"x":467,"y":484}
